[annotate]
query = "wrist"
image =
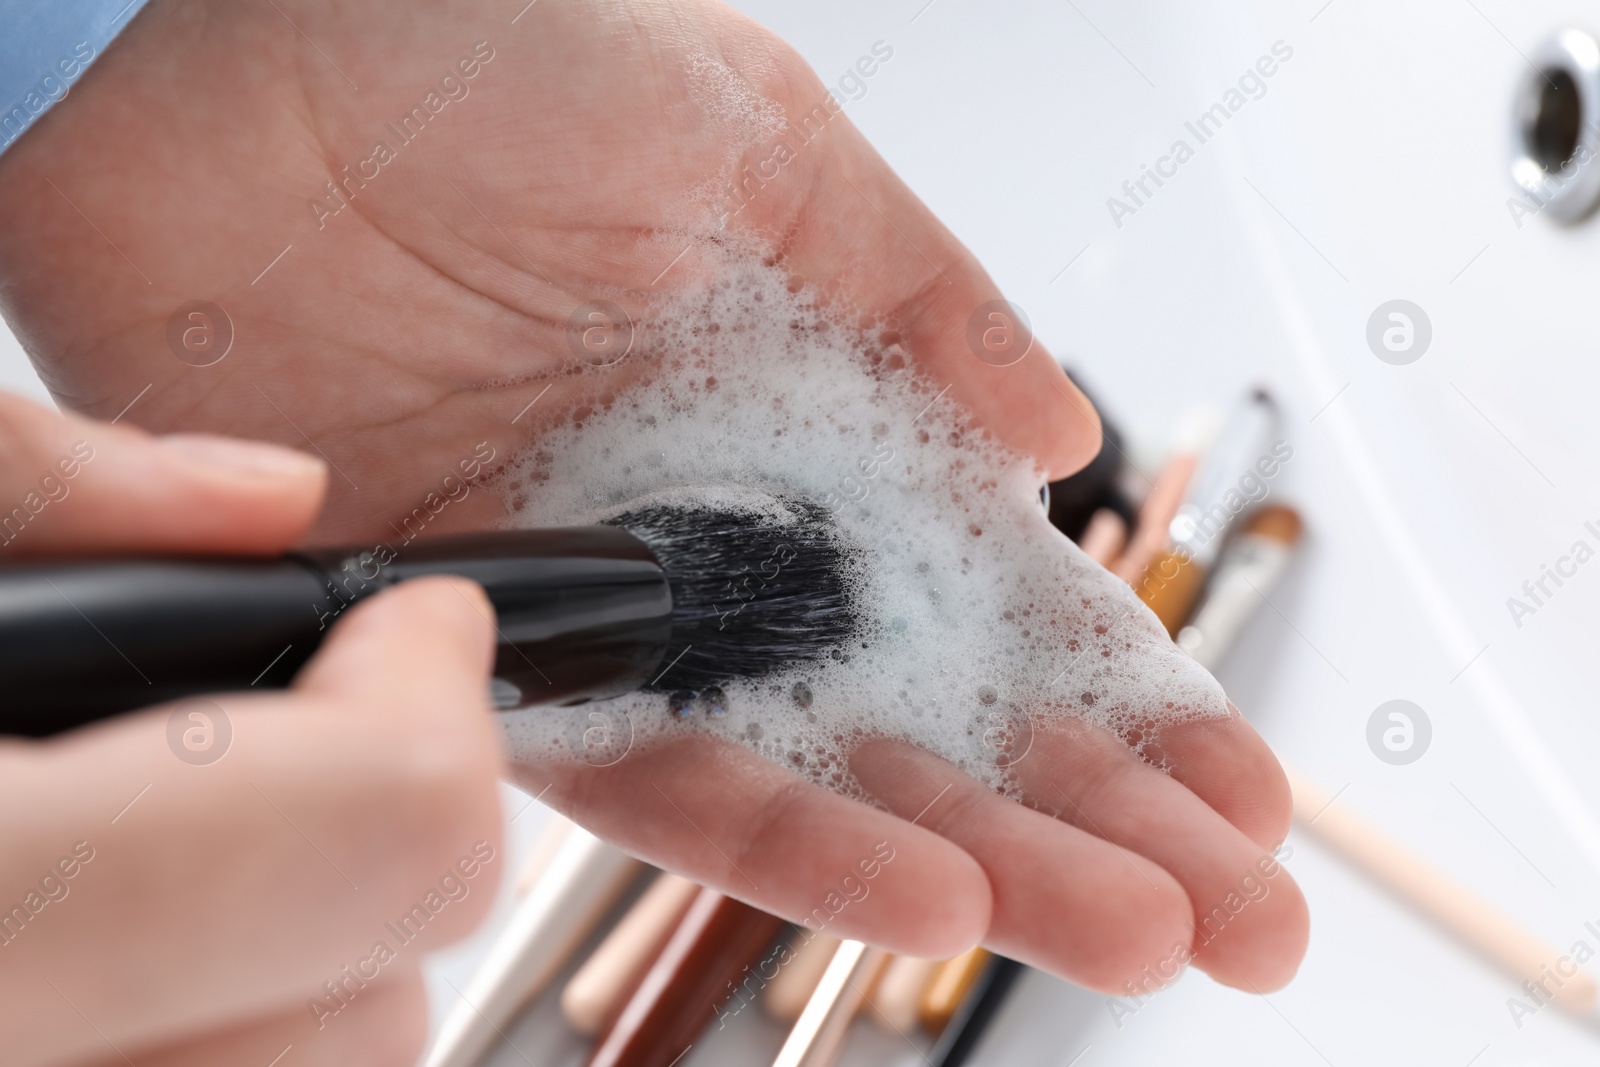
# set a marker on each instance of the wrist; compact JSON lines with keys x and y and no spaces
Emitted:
{"x":95,"y":253}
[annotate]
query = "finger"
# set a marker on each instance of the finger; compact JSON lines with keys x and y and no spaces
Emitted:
{"x":411,"y":663}
{"x":377,"y":1025}
{"x":1226,"y":764}
{"x":364,"y":803}
{"x":70,"y":484}
{"x":1251,"y":924}
{"x":1030,"y":405}
{"x":1065,"y":900}
{"x":725,"y":817}
{"x":442,"y":629}
{"x":892,"y":257}
{"x":935,"y":290}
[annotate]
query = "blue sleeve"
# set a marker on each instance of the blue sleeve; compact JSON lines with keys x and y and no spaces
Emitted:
{"x":45,"y":46}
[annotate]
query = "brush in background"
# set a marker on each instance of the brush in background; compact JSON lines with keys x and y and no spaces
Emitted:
{"x":953,"y":1000}
{"x":977,"y":1013}
{"x":1105,"y":538}
{"x":1150,"y":537}
{"x":594,"y":996}
{"x":688,"y":984}
{"x":1171,"y":584}
{"x":1252,"y":565}
{"x":583,"y":612}
{"x":581,"y":880}
{"x":543,"y":849}
{"x":1160,"y":499}
{"x":1460,"y":912}
{"x":1096,"y":489}
{"x":1095,"y":507}
{"x":789,"y":993}
{"x":899,"y":992}
{"x":819,"y":1034}
{"x":951,"y":984}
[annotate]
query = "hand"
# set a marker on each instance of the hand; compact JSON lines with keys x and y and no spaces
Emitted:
{"x":397,"y":334}
{"x":189,"y":912}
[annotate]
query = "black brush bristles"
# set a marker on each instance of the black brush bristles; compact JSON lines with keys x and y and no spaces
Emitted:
{"x":750,"y":594}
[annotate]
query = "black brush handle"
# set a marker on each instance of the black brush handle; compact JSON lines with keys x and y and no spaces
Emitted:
{"x":583,"y":613}
{"x":965,"y":1031}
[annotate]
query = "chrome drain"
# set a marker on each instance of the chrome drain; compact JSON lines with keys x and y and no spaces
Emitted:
{"x":1555,"y":127}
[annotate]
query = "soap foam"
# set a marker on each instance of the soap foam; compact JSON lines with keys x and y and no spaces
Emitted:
{"x":978,"y":620}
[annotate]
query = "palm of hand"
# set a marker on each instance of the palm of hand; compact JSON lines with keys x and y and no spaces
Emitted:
{"x":425,"y":287}
{"x":426,"y":314}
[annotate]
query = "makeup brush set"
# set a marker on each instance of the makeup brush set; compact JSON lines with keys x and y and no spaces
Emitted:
{"x":645,"y":967}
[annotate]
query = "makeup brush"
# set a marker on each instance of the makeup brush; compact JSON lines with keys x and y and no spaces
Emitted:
{"x":1249,"y":569}
{"x":542,"y":851}
{"x":900,"y":990}
{"x":976,"y":1014}
{"x":717,"y":944}
{"x":676,"y":598}
{"x":1496,"y":936}
{"x":819,"y":1034}
{"x":949,"y":988}
{"x":596,"y":993}
{"x":582,"y":880}
{"x":789,"y":993}
{"x":1239,"y":460}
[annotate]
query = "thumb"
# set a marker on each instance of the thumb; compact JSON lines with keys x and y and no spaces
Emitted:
{"x":422,"y":647}
{"x":72,"y":485}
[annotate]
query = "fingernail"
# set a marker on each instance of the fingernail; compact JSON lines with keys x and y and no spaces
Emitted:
{"x":235,"y":456}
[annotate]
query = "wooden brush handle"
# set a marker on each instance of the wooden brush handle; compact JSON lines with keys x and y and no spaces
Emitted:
{"x":680,"y":994}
